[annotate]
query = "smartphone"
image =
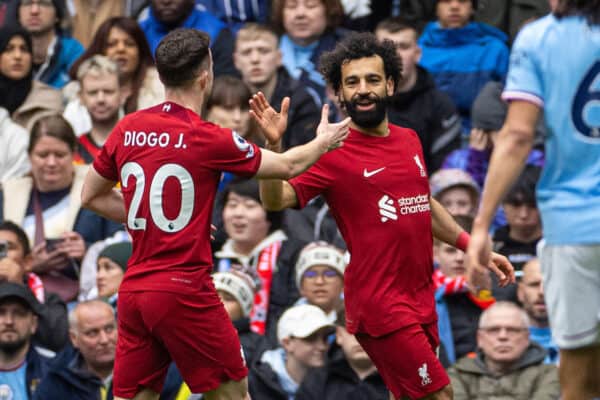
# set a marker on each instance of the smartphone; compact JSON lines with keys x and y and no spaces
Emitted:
{"x":51,"y":244}
{"x":3,"y":248}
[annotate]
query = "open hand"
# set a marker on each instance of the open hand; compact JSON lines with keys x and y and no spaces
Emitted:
{"x":481,"y":259}
{"x":272,"y":123}
{"x":334,"y":134}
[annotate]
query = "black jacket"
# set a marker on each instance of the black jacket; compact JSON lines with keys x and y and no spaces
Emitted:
{"x":252,"y":343}
{"x":53,"y":325}
{"x":66,"y":379}
{"x":337,"y":381}
{"x":38,"y":360}
{"x":263,"y":383}
{"x":304,"y":114}
{"x":432,"y":115}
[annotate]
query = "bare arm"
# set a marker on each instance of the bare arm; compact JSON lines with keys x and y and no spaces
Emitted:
{"x":443,"y":225}
{"x":277,"y":194}
{"x":508,"y":159}
{"x":98,"y":194}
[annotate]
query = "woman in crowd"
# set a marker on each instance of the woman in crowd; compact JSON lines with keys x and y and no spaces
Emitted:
{"x":121,"y":40}
{"x":25,"y":99}
{"x":307,"y":28}
{"x":47,"y":205}
{"x":112,"y":264}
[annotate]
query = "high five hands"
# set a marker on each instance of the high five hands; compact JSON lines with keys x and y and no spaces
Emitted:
{"x":274,"y":124}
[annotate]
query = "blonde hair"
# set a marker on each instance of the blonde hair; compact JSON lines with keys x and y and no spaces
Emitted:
{"x":97,"y":65}
{"x":254,"y":31}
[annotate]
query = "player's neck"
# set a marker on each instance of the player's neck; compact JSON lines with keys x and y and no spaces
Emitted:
{"x":381,"y":130}
{"x":192,"y":99}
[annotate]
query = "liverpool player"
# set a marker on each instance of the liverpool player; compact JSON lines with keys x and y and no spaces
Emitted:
{"x":168,"y":161}
{"x":377,"y":189}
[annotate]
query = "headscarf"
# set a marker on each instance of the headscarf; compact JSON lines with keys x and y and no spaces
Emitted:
{"x":13,"y":92}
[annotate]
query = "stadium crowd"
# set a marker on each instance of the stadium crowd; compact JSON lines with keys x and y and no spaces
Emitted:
{"x":71,"y":69}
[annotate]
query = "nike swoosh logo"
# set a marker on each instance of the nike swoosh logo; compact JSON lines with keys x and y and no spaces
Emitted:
{"x":368,"y":174}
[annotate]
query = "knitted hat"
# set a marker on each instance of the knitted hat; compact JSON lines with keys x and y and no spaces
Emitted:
{"x":319,"y":253}
{"x":119,"y":253}
{"x":445,"y":179}
{"x":238,"y":284}
{"x":489,"y":110}
{"x":302,"y":321}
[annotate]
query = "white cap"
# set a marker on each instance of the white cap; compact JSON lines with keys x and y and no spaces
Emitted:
{"x":237,"y":284}
{"x":319,"y":253}
{"x":301,"y":322}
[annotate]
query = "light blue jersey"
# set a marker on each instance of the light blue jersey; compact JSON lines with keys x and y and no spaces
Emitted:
{"x":12,"y":384}
{"x":555,"y":63}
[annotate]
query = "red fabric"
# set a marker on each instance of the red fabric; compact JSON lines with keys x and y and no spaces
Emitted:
{"x":378,"y":192}
{"x":406,"y":360}
{"x":36,"y":286}
{"x":267,"y":260}
{"x":452,"y":285}
{"x":191,"y":329}
{"x":168,"y":256}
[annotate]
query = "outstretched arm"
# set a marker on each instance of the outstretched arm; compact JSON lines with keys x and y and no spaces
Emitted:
{"x":508,"y":159}
{"x":99,"y":195}
{"x":446,"y":229}
{"x":277,"y":194}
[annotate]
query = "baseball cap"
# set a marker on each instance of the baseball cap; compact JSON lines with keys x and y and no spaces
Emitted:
{"x":14,"y":290}
{"x":445,"y":179}
{"x":319,"y":253}
{"x":239,"y":285}
{"x":302,"y":321}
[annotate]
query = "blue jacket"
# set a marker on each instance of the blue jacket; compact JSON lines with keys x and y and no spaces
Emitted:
{"x":38,"y":361}
{"x":444,"y":325}
{"x":67,"y":380}
{"x":221,"y":38}
{"x":463,"y":60}
{"x":236,"y":13}
{"x":56,"y":72}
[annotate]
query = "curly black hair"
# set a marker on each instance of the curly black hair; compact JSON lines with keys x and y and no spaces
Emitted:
{"x":356,"y":46}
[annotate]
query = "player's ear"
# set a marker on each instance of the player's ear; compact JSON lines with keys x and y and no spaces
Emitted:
{"x":202,"y":79}
{"x":389,"y":86}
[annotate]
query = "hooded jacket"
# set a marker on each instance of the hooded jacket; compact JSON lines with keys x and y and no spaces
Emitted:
{"x":66,"y":379}
{"x":528,"y":379}
{"x":430,"y":113}
{"x":267,"y":378}
{"x":14,"y":163}
{"x":462,"y":60}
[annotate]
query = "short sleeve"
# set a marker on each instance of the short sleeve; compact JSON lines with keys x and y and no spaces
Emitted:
{"x":105,"y":163}
{"x":311,"y":183}
{"x":233,"y":153}
{"x":524,"y":81}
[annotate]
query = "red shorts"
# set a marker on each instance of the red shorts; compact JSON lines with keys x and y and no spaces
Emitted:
{"x":406,"y":360}
{"x":157,"y":327}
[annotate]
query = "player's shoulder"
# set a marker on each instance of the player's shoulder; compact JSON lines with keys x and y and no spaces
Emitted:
{"x":403,"y":132}
{"x":533,"y":33}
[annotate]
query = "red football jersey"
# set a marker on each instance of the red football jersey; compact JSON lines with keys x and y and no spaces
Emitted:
{"x":378,"y":192}
{"x":169,"y":163}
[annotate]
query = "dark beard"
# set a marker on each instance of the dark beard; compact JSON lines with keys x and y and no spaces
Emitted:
{"x":12,"y":348}
{"x":366,"y":119}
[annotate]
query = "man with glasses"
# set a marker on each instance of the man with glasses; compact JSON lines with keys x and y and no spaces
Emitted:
{"x":507,"y":364}
{"x":53,"y":51}
{"x":320,"y":277}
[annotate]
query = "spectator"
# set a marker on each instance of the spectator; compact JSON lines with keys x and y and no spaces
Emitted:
{"x":22,"y":365}
{"x":25,"y":99}
{"x":84,"y":372}
{"x":122,"y":40}
{"x":307,"y":29}
{"x":236,"y":290}
{"x":456,"y":190}
{"x":349,"y":374}
{"x":13,"y":163}
{"x":53,"y":51}
{"x":518,"y":239}
{"x":462,"y":55}
{"x":320,"y":277}
{"x":112,"y":264}
{"x":530,"y":292}
{"x":88,"y":15}
{"x":258,"y":59}
{"x":302,"y":333}
{"x":100,"y":94}
{"x":237,"y":14}
{"x":47,"y":206}
{"x":52,"y":324}
{"x":457,"y":308}
{"x":166,"y":15}
{"x":507,"y":364}
{"x":256,"y":242}
{"x":510,"y":16}
{"x":417,"y":103}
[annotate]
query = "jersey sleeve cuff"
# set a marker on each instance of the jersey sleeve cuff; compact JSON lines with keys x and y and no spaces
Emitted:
{"x":510,"y":95}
